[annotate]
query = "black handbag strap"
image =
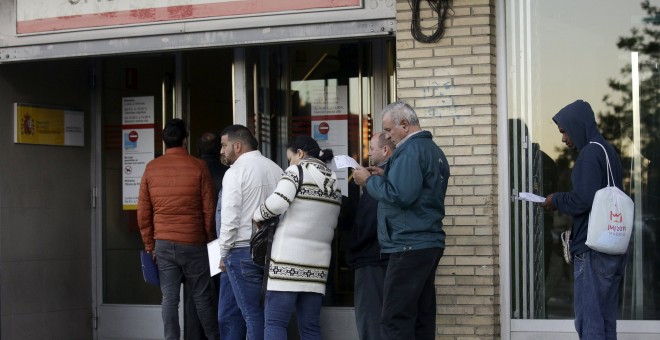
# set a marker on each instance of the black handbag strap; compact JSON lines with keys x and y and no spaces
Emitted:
{"x":269,"y":243}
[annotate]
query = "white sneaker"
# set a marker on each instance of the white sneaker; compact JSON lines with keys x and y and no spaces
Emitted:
{"x":566,"y":243}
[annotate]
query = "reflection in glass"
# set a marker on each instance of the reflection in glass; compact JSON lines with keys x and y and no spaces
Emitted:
{"x":555,"y":58}
{"x":330,"y":100}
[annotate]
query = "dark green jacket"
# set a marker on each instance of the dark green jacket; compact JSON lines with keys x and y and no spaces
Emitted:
{"x":411,"y":196}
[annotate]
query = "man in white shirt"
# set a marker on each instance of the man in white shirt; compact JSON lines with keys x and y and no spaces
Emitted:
{"x":250,"y":179}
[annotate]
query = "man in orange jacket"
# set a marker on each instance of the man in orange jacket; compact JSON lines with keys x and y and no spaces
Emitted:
{"x":176,"y":209}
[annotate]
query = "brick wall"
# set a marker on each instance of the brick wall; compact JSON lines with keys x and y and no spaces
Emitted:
{"x":451,"y":85}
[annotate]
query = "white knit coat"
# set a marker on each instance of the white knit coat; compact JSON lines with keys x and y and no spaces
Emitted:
{"x":301,"y":248}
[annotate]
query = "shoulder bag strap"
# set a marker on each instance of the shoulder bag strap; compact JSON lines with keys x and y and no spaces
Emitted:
{"x":610,"y":174}
{"x":300,"y":179}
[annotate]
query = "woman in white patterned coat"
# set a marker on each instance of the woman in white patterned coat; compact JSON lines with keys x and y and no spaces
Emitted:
{"x":301,"y":249}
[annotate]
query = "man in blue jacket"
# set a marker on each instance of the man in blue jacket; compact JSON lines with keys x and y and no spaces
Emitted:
{"x":411,"y":205}
{"x":597,"y":275}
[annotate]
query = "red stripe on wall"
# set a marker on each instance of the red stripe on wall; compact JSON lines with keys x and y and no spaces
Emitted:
{"x":173,"y":13}
{"x":330,"y":117}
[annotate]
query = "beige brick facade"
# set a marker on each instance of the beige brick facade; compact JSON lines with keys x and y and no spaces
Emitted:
{"x":451,"y":85}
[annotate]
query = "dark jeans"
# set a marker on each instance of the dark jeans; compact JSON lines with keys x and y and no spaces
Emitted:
{"x":193,"y":329}
{"x":368,"y":299}
{"x":177,"y":261}
{"x":598,"y":278}
{"x":409,"y":295}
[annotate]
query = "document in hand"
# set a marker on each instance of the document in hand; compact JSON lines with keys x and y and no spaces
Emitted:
{"x":344,"y":161}
{"x":214,"y":256}
{"x":149,"y":269}
{"x":528,"y":196}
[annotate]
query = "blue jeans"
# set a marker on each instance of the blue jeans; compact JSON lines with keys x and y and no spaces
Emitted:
{"x":409,"y":310}
{"x":598,"y":278}
{"x":280,"y":306}
{"x":177,"y":261}
{"x":369,"y":300}
{"x":232,"y":324}
{"x":246,"y":278}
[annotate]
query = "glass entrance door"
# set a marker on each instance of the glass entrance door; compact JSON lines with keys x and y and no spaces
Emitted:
{"x":128,"y":307}
{"x":288,"y":90}
{"x":641,"y":155}
{"x":195,"y":86}
{"x":329,"y":89}
{"x":332,"y":92}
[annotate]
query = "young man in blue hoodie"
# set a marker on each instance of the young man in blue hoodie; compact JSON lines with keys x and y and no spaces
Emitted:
{"x":598,"y":276}
{"x":411,"y":206}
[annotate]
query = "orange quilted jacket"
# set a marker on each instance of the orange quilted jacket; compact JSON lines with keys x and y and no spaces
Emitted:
{"x":177,"y":201}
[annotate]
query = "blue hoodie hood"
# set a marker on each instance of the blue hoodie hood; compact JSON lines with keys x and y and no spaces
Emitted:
{"x":578,"y":120}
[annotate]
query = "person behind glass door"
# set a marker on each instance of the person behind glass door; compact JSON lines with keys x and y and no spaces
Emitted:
{"x":230,"y":321}
{"x":208,"y":147}
{"x":249,"y":180}
{"x":411,"y":206}
{"x":175,"y":216}
{"x":363,"y":254}
{"x":598,"y":276}
{"x":300,"y":256}
{"x":231,"y":324}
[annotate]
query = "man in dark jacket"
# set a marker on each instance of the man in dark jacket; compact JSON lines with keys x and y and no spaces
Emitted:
{"x":176,"y":207}
{"x":364,"y":255}
{"x":411,"y":206}
{"x":230,"y":320}
{"x":208,"y":147}
{"x":209,"y":150}
{"x":597,"y":275}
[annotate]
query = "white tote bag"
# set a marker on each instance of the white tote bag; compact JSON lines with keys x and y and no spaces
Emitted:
{"x":611,"y":217}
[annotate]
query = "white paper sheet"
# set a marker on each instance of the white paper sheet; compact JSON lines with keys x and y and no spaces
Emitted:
{"x":344,"y":161}
{"x":214,"y":256}
{"x":530,"y":197}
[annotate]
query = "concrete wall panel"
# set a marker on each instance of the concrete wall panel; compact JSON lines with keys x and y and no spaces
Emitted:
{"x":45,"y":210}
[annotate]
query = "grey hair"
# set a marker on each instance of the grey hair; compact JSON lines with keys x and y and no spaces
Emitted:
{"x":400,"y":111}
{"x":383,"y":141}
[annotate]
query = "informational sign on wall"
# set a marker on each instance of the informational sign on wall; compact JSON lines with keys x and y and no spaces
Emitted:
{"x":34,"y":124}
{"x":55,"y":15}
{"x":330,"y":124}
{"x":137,"y":145}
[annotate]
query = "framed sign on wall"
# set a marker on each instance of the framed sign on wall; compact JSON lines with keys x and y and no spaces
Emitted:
{"x":48,"y":125}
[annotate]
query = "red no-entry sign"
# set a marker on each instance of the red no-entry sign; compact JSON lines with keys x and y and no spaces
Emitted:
{"x":324,"y":128}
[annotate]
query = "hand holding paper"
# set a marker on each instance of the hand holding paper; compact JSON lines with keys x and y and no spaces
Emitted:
{"x":374,"y":170}
{"x":530,"y":197}
{"x":214,"y":256}
{"x":344,"y":161}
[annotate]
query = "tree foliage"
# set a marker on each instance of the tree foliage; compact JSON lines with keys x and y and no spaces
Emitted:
{"x":616,"y":120}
